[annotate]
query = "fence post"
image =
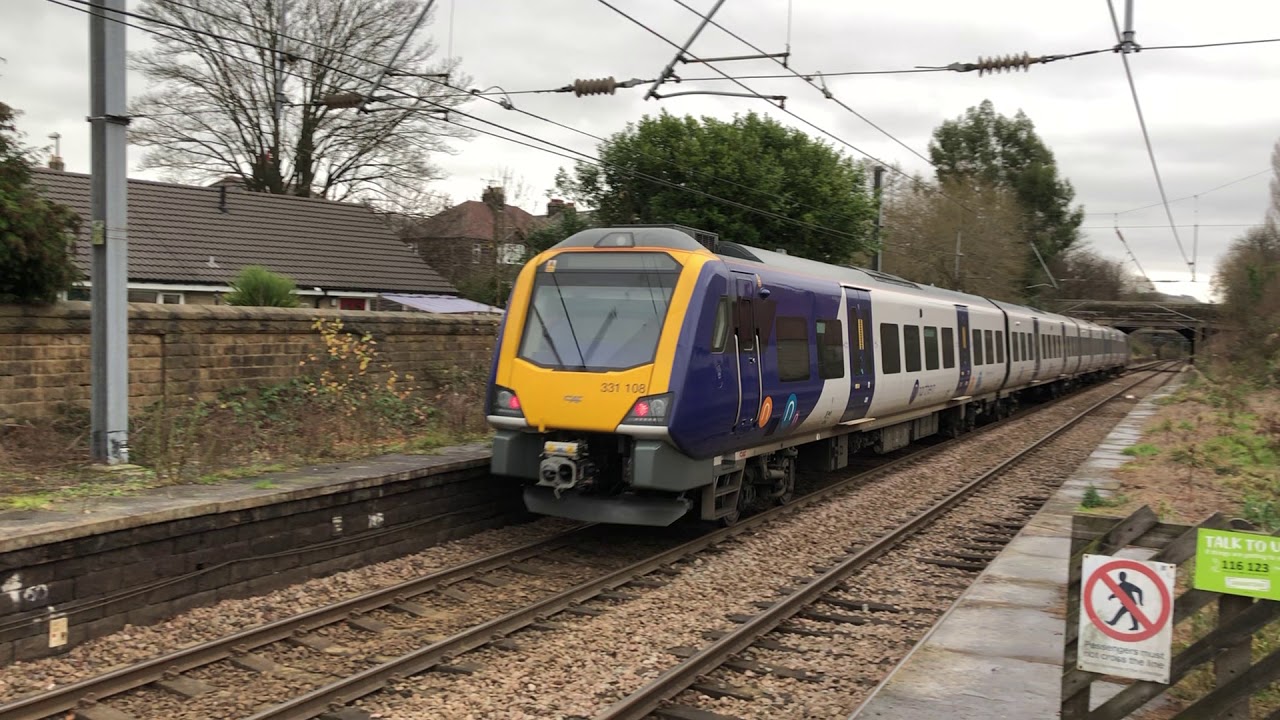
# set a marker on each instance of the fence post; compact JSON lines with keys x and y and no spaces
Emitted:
{"x":1074,"y":707}
{"x":1235,"y":660}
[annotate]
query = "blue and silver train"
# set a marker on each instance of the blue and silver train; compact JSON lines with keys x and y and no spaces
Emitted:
{"x":647,"y":373}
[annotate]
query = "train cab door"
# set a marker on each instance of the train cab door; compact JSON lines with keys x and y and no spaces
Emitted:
{"x":746,"y":338}
{"x":962,"y":351}
{"x":862,"y":356}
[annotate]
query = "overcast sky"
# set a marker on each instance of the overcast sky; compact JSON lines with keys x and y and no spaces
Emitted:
{"x":1214,"y":113}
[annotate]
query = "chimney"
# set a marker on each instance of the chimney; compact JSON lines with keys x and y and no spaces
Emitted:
{"x":493,"y":196}
{"x":55,"y":162}
{"x":554,"y":207}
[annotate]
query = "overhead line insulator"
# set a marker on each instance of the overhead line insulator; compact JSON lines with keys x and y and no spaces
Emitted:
{"x":595,"y":86}
{"x":1006,"y":63}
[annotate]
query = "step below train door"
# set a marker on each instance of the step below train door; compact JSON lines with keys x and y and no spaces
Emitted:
{"x":862,"y":356}
{"x":746,"y":339}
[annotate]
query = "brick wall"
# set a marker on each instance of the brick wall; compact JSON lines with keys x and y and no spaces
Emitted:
{"x":179,"y":351}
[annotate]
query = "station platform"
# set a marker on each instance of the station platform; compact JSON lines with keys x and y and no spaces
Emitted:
{"x":997,"y":653}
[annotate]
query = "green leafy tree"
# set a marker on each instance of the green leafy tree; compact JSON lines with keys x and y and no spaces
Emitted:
{"x":36,"y":236}
{"x":752,"y":160}
{"x":986,"y":148}
{"x":256,"y":285}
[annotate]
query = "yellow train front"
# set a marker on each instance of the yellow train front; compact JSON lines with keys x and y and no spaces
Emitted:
{"x":581,"y":389}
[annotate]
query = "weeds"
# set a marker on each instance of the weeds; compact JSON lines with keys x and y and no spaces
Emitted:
{"x":347,"y":402}
{"x":1141,"y":450}
{"x":1093,"y":499}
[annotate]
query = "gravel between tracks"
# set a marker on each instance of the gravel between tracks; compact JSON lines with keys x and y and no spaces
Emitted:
{"x":589,"y":663}
{"x":133,"y":644}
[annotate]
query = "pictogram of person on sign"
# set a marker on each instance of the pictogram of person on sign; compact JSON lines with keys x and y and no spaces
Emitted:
{"x":1131,"y":590}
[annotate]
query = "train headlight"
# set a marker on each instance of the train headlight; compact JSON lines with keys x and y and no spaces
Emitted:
{"x":652,"y":410}
{"x":506,"y":403}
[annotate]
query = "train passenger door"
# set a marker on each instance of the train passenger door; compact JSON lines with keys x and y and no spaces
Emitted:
{"x":1036,"y":349}
{"x":962,"y":350}
{"x":862,"y":356}
{"x":746,"y":338}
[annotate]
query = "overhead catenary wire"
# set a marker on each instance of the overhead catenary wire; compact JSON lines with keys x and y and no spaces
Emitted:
{"x":827,"y":93}
{"x":820,"y":88}
{"x":410,"y":96}
{"x":1187,"y":197}
{"x":1146,"y":136}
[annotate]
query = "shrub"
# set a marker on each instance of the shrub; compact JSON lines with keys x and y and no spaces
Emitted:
{"x":36,"y":236}
{"x":256,"y":285}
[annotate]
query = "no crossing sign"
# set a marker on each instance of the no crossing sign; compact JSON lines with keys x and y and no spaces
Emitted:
{"x":1125,"y":612}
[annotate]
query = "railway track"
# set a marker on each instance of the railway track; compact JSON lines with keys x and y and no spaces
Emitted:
{"x":557,"y":571}
{"x":841,"y":603}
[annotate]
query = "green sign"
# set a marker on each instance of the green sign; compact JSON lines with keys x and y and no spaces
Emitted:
{"x":1238,"y":563}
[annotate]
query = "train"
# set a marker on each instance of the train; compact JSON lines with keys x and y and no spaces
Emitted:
{"x":647,"y":373}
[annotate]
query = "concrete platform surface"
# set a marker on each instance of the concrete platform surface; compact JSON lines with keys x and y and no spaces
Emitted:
{"x":21,"y":529}
{"x":997,"y":654}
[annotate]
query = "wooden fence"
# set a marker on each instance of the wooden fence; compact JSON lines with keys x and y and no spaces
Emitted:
{"x":1229,"y":645}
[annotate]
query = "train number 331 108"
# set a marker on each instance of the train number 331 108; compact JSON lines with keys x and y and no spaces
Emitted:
{"x":612,"y":387}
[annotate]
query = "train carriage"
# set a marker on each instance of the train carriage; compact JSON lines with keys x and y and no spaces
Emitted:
{"x":645,"y":373}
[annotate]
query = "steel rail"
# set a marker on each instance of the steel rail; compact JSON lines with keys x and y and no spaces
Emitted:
{"x":649,"y":697}
{"x":442,"y":652}
{"x":100,"y":687}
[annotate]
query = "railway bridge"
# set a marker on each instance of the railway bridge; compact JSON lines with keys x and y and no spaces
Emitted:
{"x":1194,"y":321}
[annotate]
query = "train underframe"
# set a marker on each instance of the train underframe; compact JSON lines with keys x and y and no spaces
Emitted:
{"x":619,"y":479}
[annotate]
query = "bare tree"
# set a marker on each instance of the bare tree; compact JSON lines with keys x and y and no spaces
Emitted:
{"x":920,"y":229}
{"x":211,"y":110}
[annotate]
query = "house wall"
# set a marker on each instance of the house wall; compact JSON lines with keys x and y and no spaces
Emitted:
{"x":457,"y":260}
{"x":182,"y":351}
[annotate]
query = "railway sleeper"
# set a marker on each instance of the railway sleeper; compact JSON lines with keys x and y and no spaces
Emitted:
{"x":684,"y":712}
{"x":184,"y":687}
{"x":717,"y":690}
{"x":96,"y":711}
{"x":956,"y":564}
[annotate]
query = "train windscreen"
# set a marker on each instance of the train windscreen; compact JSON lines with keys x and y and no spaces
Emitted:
{"x":598,"y":311}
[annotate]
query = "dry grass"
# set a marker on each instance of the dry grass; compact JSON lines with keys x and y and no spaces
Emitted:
{"x":1212,"y":447}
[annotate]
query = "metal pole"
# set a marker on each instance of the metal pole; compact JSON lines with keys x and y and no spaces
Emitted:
{"x":1127,"y":38}
{"x":666,"y":72}
{"x":109,"y":415}
{"x":396,"y":55}
{"x":281,"y":18}
{"x":878,"y":189}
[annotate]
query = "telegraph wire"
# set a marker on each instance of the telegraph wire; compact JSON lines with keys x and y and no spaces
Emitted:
{"x":823,"y":89}
{"x":1122,"y":48}
{"x":1187,"y":197}
{"x":1210,"y":45}
{"x":432,"y":99}
{"x":584,"y":156}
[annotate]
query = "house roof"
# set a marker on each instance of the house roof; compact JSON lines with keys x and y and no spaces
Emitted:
{"x":441,"y":304}
{"x":180,"y":233}
{"x":471,"y":220}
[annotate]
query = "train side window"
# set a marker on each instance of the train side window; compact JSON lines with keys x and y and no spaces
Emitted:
{"x":830,"y":349}
{"x":991,"y":346}
{"x":977,"y":346}
{"x":720,"y":333}
{"x":1015,"y":347}
{"x":931,"y":348}
{"x":911,"y":347}
{"x":948,"y":348}
{"x":1026,"y":347}
{"x":1000,"y":346}
{"x":890,"y":360}
{"x":793,"y":349}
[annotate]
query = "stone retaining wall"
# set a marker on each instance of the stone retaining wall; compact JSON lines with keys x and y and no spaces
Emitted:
{"x":185,"y":351}
{"x":143,"y":568}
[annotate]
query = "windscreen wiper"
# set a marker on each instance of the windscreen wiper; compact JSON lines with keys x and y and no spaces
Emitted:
{"x":591,"y":350}
{"x":582,"y":361}
{"x":546,"y":334}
